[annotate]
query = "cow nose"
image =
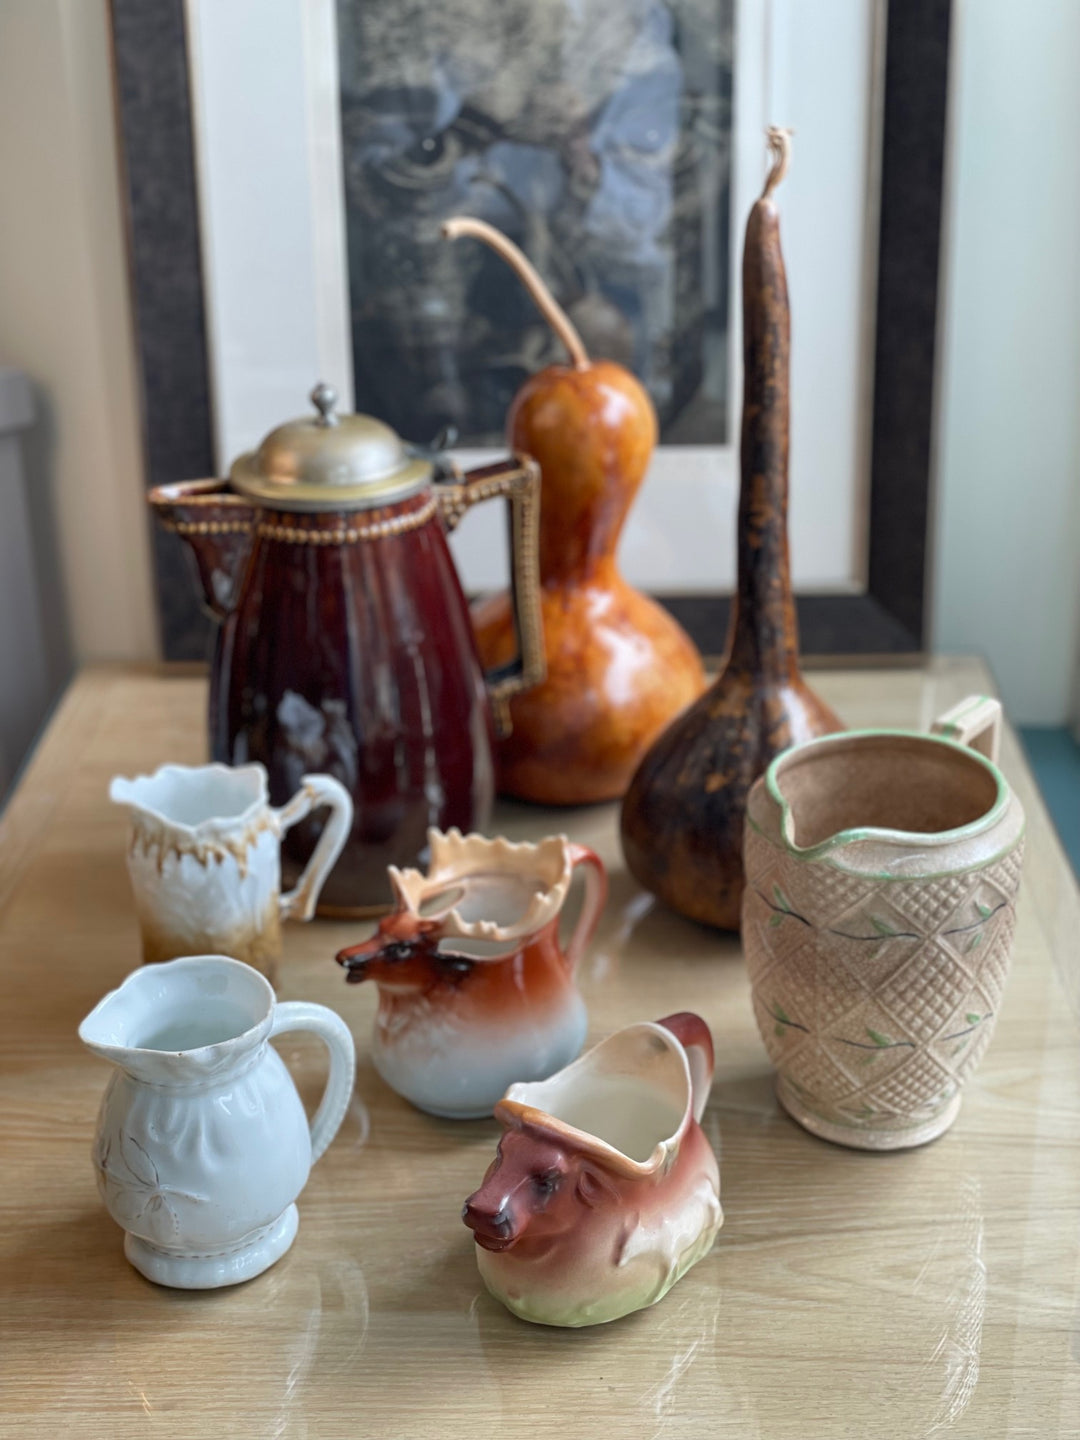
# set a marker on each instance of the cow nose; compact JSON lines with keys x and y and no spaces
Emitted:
{"x":354,"y":961}
{"x":498,"y":1223}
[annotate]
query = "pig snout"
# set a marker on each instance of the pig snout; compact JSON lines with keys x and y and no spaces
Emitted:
{"x":495,"y":1228}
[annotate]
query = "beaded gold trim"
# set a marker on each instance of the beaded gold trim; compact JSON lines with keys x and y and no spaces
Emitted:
{"x":349,"y":534}
{"x":206,"y":527}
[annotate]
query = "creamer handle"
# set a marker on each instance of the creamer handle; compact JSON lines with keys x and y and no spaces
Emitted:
{"x":315,"y":791}
{"x":696,"y":1039}
{"x":976,"y":722}
{"x":335,"y":1035}
{"x":596,"y":888}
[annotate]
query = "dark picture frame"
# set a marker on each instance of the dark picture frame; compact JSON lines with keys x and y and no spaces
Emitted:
{"x":889,"y":619}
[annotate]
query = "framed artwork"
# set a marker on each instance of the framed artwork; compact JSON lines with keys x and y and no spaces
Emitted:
{"x":288,"y":166}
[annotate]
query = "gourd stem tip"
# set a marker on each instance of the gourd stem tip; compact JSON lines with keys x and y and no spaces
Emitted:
{"x":545,"y":302}
{"x":779,"y":142}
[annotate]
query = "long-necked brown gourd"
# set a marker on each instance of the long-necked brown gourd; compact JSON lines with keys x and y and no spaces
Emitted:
{"x":683,"y":815}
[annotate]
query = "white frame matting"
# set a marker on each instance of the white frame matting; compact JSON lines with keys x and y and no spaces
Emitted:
{"x":266,"y":117}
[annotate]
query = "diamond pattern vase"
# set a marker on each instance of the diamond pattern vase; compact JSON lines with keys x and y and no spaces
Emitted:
{"x":882,"y":869}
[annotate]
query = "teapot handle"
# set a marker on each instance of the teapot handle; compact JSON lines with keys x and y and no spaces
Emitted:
{"x":320,"y":1020}
{"x":976,"y":722}
{"x":316,"y":791}
{"x":518,"y":480}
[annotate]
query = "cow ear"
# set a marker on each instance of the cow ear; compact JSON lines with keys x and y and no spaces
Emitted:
{"x":595,"y":1189}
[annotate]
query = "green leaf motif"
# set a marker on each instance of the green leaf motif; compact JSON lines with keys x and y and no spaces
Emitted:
{"x":878,"y":1038}
{"x":972,"y":1018}
{"x":778,"y":1011}
{"x":973,"y":943}
{"x":881,"y":926}
{"x":984,"y":910}
{"x":781,"y":899}
{"x":779,"y":1030}
{"x":775,"y":920}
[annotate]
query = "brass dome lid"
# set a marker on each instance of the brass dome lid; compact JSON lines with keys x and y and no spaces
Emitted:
{"x":330,"y":462}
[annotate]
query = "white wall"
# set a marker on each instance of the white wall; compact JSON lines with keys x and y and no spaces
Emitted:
{"x":65,"y":317}
{"x":1007,"y":568}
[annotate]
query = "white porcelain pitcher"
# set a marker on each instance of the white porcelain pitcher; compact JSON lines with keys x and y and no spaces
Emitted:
{"x":205,"y":858}
{"x":202,"y":1144}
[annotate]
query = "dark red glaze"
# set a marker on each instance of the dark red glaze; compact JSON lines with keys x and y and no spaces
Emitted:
{"x":352,"y":659}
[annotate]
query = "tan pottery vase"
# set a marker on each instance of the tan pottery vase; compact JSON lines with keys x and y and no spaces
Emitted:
{"x":682,"y":818}
{"x":619,"y":668}
{"x":882,"y":869}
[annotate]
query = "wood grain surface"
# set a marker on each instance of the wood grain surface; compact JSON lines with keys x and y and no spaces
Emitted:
{"x":922,"y":1293}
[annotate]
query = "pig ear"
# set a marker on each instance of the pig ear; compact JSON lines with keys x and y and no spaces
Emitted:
{"x":595,"y":1189}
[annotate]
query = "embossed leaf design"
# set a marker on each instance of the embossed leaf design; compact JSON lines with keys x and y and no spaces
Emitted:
{"x":779,"y":1030}
{"x":984,"y":910}
{"x":778,"y":1011}
{"x":775,"y":920}
{"x":136,"y":1179}
{"x":877,"y":1037}
{"x":781,"y":899}
{"x":974,"y":942}
{"x":882,"y":926}
{"x":137,"y":1162}
{"x":972,"y":1018}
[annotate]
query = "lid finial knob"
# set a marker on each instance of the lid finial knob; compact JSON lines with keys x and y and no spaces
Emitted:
{"x":324,"y":398}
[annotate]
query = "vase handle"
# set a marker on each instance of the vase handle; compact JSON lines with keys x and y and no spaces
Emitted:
{"x":316,"y":791}
{"x":975,"y":722}
{"x":320,"y":1020}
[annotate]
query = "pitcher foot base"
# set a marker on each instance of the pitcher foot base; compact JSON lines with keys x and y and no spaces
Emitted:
{"x":244,"y":1261}
{"x":857,"y":1136}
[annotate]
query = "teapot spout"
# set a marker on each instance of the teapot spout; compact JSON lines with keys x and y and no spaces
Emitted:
{"x":217,"y":526}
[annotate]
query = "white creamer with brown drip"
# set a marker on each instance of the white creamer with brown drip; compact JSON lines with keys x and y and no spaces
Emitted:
{"x":204,"y":857}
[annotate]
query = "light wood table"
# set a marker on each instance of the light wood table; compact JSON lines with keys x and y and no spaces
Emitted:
{"x":929,"y":1292}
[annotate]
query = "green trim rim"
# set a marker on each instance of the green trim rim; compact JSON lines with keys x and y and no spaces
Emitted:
{"x":887,"y":875}
{"x":871,"y":832}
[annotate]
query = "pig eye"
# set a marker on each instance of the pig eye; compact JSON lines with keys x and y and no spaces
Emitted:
{"x":548,"y":1182}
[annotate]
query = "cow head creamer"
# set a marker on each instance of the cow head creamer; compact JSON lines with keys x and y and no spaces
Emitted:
{"x":476,"y":989}
{"x":604,"y":1190}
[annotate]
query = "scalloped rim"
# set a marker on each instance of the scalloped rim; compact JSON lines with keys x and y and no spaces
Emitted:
{"x":454,"y":857}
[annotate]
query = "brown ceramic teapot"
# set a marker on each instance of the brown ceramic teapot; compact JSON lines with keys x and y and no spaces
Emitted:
{"x":344,"y":644}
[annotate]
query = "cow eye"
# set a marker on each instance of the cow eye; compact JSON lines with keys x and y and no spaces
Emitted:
{"x":547,"y":1182}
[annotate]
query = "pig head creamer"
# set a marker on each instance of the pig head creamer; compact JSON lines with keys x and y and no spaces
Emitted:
{"x":604,"y":1190}
{"x":344,"y":643}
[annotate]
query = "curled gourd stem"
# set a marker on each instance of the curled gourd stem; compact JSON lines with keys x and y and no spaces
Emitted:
{"x":545,"y":302}
{"x":780,"y":149}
